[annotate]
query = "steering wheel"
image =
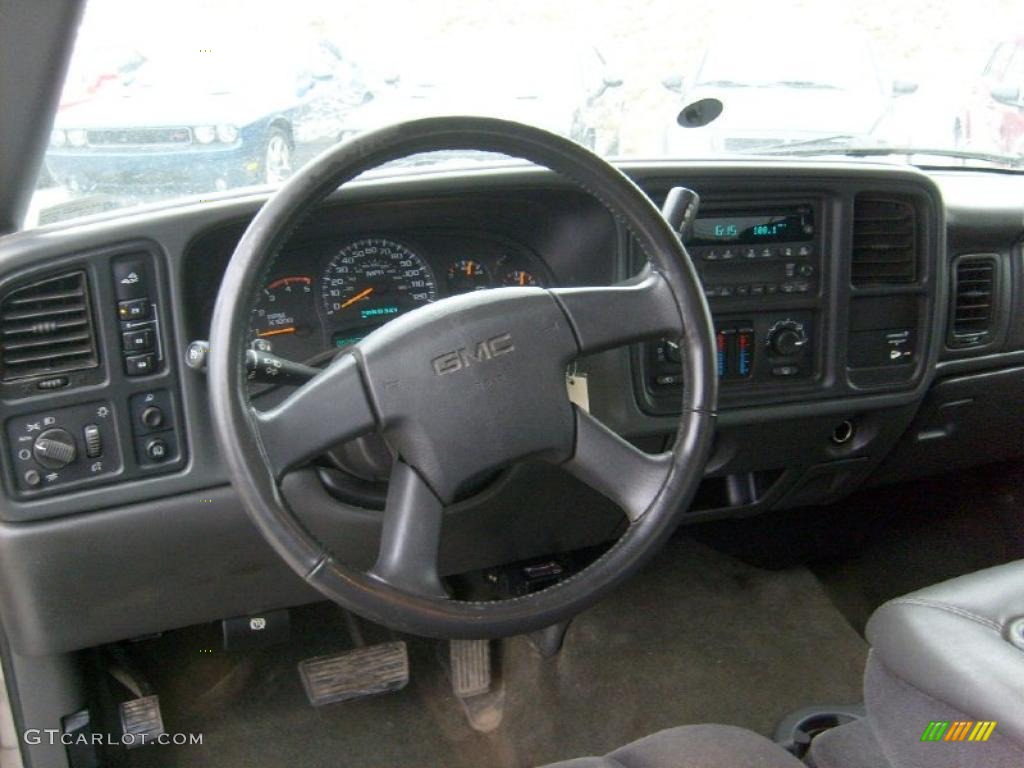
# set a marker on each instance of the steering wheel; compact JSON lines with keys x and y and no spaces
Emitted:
{"x":463,"y":386}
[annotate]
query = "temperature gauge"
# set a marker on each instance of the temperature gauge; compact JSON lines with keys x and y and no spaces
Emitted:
{"x":467,"y":275}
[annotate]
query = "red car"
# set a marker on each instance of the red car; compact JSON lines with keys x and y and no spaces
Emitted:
{"x":994,"y":119}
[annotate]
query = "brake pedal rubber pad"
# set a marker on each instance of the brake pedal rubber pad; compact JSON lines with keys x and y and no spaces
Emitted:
{"x":353,"y":674}
{"x":141,"y":720}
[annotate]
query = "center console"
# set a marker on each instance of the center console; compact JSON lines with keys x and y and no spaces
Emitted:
{"x":761,"y":267}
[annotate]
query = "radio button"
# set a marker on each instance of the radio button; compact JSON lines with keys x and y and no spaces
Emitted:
{"x":806,"y":270}
{"x":757,"y":290}
{"x":771,"y":289}
{"x":766,"y":253}
{"x":728,"y":254}
{"x":742,"y":290}
{"x":750,"y":253}
{"x":787,"y":288}
{"x":786,"y":251}
{"x":725,"y":291}
{"x":710,"y":255}
{"x":805,"y":250}
{"x":802,"y":286}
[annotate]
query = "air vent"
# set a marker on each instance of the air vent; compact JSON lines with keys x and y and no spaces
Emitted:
{"x":884,"y":241}
{"x":47,"y":328}
{"x":974,"y":292}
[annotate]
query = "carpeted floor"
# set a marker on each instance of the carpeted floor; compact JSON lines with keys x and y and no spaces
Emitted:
{"x":698,"y":637}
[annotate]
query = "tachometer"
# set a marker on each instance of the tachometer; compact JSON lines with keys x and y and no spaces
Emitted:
{"x":284,"y":317}
{"x":374,"y":280}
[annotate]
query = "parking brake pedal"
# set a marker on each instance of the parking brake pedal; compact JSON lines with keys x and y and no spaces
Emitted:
{"x":471,"y":667}
{"x":353,"y":674}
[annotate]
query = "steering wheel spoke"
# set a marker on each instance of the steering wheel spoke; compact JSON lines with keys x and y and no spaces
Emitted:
{"x":329,"y":409}
{"x":610,"y":316}
{"x":411,"y":535}
{"x":616,"y":468}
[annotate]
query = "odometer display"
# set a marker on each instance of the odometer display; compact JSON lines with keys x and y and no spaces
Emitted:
{"x":374,"y":280}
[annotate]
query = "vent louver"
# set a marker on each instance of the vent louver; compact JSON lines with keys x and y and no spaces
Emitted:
{"x":974,"y":286}
{"x":884,"y":241}
{"x":46,"y":327}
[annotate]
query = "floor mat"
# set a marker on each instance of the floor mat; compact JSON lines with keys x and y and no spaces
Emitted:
{"x":697,"y":637}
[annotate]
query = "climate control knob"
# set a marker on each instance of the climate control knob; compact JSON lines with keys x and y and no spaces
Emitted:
{"x":54,"y":448}
{"x":787,"y":338}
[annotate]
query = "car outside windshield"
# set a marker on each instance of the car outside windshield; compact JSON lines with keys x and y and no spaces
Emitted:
{"x":169,"y":101}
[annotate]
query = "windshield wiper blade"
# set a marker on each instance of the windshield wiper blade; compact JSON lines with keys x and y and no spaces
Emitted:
{"x":723,"y":84}
{"x":883,"y":151}
{"x":805,"y":84}
{"x":839,"y":141}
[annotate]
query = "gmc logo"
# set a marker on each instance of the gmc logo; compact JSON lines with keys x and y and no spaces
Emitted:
{"x":457,"y":359}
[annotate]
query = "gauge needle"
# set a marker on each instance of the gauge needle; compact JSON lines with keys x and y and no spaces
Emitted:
{"x":276,"y":331}
{"x":361,"y":295}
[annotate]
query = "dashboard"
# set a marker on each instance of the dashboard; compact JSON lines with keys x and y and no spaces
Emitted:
{"x":327,"y":295}
{"x":869,"y":327}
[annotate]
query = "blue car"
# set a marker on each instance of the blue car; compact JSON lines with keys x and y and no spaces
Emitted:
{"x":135,"y":136}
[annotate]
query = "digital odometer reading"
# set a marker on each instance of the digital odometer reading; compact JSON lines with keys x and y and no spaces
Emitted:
{"x":371,"y":281}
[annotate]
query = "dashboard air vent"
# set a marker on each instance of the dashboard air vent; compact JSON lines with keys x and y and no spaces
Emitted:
{"x":884,"y":241}
{"x":46,"y":327}
{"x":974,"y":292}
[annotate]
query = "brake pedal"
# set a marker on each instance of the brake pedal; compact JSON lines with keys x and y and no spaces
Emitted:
{"x":354,"y":674}
{"x":471,"y":667}
{"x":141,"y":721}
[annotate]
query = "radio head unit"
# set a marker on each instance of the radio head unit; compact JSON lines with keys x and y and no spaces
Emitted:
{"x":747,"y":251}
{"x":741,"y":228}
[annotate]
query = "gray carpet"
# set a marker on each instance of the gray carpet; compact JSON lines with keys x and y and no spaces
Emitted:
{"x":698,"y":637}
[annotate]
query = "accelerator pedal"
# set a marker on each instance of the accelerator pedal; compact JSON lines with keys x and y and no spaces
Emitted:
{"x":471,"y":667}
{"x":354,"y":674}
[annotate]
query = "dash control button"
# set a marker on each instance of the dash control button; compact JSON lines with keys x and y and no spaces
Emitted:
{"x":93,"y":440}
{"x":140,"y":365}
{"x":134,"y":309}
{"x":157,"y":449}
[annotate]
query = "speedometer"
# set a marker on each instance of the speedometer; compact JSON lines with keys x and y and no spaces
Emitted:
{"x":374,"y":280}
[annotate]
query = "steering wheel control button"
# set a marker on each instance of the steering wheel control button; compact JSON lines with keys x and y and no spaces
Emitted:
{"x":137,"y":341}
{"x":140,"y":365}
{"x":157,"y":449}
{"x":133,"y":309}
{"x":55,"y":449}
{"x":93,"y":441}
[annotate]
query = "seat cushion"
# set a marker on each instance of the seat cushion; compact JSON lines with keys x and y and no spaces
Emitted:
{"x":694,"y":746}
{"x":961,"y":642}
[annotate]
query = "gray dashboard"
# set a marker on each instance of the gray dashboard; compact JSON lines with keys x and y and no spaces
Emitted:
{"x":150,"y":545}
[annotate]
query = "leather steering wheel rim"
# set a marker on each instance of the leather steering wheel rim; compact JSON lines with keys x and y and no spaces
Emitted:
{"x":366,"y":389}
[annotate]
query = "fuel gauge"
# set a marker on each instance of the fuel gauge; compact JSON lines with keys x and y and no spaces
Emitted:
{"x":518,"y":277}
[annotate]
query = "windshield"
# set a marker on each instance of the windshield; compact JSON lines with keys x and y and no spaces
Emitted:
{"x":203,"y":97}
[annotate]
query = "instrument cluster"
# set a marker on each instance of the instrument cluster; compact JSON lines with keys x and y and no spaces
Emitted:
{"x":327,"y":296}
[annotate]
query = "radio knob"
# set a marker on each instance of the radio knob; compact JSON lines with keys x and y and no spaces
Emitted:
{"x":787,"y":338}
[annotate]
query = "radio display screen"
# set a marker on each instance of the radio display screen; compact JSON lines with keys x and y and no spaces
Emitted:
{"x":768,"y":228}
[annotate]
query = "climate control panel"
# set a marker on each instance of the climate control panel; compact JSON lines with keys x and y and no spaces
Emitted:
{"x":760,"y":348}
